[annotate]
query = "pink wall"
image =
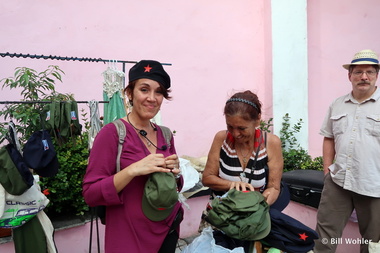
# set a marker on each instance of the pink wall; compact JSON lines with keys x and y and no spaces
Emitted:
{"x":216,"y":47}
{"x":336,"y":31}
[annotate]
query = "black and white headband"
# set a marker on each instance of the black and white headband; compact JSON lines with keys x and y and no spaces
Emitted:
{"x":243,"y":101}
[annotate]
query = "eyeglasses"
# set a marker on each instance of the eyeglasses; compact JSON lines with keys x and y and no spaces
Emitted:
{"x":368,"y":73}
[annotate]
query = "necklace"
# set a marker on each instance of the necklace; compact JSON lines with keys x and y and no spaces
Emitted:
{"x":144,"y":134}
{"x":245,"y":156}
{"x":247,"y":178}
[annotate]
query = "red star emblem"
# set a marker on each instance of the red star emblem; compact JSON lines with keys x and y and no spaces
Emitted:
{"x":303,"y":236}
{"x":147,"y":68}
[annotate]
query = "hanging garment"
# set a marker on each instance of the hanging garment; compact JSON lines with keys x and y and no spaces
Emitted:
{"x":12,"y":169}
{"x":15,"y":175}
{"x":76,"y":128}
{"x":48,"y":228}
{"x":113,"y":92}
{"x":61,"y":119}
{"x":36,"y":236}
{"x":51,"y":118}
{"x":30,"y":238}
{"x":69,"y":123}
{"x":95,"y":124}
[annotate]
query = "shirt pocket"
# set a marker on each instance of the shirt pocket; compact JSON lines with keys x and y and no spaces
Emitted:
{"x":339,"y":123}
{"x":373,"y":125}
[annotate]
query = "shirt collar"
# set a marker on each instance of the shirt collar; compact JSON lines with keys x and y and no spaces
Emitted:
{"x":375,"y":96}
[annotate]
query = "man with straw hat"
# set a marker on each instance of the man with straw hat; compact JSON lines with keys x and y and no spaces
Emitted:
{"x":351,"y":159}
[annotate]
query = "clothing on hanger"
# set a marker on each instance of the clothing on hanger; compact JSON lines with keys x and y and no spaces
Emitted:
{"x":113,"y":86}
{"x":113,"y":80}
{"x":95,"y":124}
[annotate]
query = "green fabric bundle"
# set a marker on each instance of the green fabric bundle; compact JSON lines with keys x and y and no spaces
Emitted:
{"x":241,"y":215}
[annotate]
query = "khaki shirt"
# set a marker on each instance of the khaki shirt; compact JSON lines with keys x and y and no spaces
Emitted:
{"x":355,"y":128}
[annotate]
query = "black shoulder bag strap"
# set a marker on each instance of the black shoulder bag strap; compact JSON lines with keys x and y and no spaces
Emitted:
{"x":255,"y":161}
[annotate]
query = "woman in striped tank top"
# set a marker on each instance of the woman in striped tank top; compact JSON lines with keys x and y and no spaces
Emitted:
{"x":231,"y":159}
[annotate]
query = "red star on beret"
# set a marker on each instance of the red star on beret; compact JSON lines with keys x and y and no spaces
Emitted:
{"x":303,"y":236}
{"x":147,"y":68}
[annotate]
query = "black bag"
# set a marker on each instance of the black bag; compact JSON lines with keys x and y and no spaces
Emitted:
{"x":305,"y":186}
{"x":40,"y":155}
{"x":101,"y":213}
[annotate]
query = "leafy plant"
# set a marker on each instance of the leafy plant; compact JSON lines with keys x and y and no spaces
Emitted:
{"x":65,"y":189}
{"x":266,"y":125}
{"x":34,"y":87}
{"x":295,"y":157}
{"x":288,"y":133}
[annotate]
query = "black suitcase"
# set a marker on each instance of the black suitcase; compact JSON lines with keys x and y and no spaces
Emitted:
{"x":305,"y":186}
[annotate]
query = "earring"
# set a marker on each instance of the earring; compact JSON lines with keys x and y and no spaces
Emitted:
{"x":127,"y":104}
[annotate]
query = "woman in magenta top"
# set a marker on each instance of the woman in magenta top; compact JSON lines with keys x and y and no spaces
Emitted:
{"x":144,"y":152}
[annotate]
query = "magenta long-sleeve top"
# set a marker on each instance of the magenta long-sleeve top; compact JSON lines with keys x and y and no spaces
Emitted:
{"x":127,"y":228}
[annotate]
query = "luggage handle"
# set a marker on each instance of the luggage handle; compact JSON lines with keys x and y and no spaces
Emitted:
{"x":300,"y":192}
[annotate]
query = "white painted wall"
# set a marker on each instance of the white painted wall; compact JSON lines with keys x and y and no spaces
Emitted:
{"x":290,"y":64}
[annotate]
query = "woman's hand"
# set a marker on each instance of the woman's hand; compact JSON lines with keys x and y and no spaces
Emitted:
{"x":271,"y":194}
{"x":172,"y":163}
{"x":241,"y":186}
{"x":149,"y":164}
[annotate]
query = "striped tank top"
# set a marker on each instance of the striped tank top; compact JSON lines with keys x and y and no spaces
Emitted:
{"x":231,"y":169}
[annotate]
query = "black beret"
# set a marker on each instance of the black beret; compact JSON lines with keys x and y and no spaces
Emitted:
{"x":150,"y":69}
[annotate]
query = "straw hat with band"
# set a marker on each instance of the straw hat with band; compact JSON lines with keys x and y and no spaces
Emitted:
{"x":364,"y":57}
{"x":160,"y":196}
